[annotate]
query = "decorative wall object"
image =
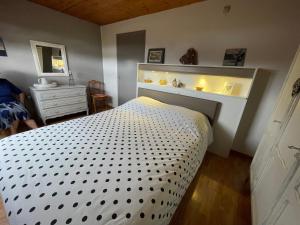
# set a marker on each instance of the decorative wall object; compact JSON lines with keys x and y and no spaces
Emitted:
{"x":226,"y":9}
{"x":156,"y":55}
{"x":190,"y":57}
{"x":235,"y":57}
{"x":2,"y":48}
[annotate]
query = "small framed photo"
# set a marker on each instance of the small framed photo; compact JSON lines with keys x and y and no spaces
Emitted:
{"x":156,"y":55}
{"x":235,"y":57}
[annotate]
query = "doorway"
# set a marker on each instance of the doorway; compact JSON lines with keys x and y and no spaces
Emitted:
{"x":130,"y":51}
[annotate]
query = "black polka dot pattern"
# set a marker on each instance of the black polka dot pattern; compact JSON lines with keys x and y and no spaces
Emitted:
{"x":129,"y":165}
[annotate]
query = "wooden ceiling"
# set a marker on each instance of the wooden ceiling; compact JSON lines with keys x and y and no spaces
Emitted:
{"x":110,"y":11}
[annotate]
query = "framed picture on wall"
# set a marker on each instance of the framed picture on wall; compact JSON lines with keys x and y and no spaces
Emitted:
{"x":2,"y":48}
{"x":235,"y":57}
{"x":156,"y":55}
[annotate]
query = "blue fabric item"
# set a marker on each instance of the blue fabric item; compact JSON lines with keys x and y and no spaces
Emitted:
{"x":8,"y":91}
{"x":9,"y":112}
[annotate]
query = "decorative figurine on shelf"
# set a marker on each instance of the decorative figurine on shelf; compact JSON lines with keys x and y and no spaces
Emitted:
{"x":228,"y":88}
{"x":180,"y":84}
{"x":71,"y":79}
{"x":177,"y":84}
{"x":148,"y":81}
{"x":190,"y":57}
{"x":174,"y":83}
{"x":199,"y":88}
{"x":163,"y":82}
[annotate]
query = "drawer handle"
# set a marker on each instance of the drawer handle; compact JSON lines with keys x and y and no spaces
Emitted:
{"x":292,"y":147}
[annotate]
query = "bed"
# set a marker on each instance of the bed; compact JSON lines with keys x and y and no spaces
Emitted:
{"x":129,"y":165}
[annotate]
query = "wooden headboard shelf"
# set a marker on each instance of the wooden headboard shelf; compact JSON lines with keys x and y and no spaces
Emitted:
{"x":196,"y":69}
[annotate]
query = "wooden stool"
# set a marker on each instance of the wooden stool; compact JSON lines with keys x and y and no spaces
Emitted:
{"x":97,"y":94}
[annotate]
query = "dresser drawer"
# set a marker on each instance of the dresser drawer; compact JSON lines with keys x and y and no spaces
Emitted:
{"x":59,"y":101}
{"x":62,"y":102}
{"x":65,"y":110}
{"x":64,"y":93}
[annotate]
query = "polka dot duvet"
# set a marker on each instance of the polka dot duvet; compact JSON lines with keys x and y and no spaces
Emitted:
{"x":130,"y":165}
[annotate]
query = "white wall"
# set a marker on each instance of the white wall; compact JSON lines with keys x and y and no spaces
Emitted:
{"x":269,"y":29}
{"x":22,"y":21}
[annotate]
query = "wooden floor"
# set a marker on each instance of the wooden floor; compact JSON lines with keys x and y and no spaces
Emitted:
{"x":219,"y":194}
{"x":3,"y":220}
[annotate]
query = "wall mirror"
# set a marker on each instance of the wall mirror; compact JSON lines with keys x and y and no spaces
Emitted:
{"x":50,"y":59}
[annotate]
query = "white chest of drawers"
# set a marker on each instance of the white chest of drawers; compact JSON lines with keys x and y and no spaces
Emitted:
{"x":59,"y":101}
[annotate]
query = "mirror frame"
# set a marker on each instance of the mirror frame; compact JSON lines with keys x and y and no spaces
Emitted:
{"x":34,"y":45}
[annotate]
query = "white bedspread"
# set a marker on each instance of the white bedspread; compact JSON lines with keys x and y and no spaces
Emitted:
{"x":130,"y":165}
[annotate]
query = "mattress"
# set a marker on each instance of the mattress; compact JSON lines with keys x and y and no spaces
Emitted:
{"x":129,"y":165}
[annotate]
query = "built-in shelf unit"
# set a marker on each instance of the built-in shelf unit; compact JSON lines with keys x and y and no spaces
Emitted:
{"x":230,"y":86}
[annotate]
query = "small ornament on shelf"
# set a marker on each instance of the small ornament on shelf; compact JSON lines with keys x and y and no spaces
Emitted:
{"x":228,"y":88}
{"x":199,"y":88}
{"x":163,"y":82}
{"x":201,"y":85}
{"x":174,"y":83}
{"x":147,"y":81}
{"x":180,"y":84}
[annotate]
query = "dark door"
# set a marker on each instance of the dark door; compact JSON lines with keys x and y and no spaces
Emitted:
{"x":130,"y":51}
